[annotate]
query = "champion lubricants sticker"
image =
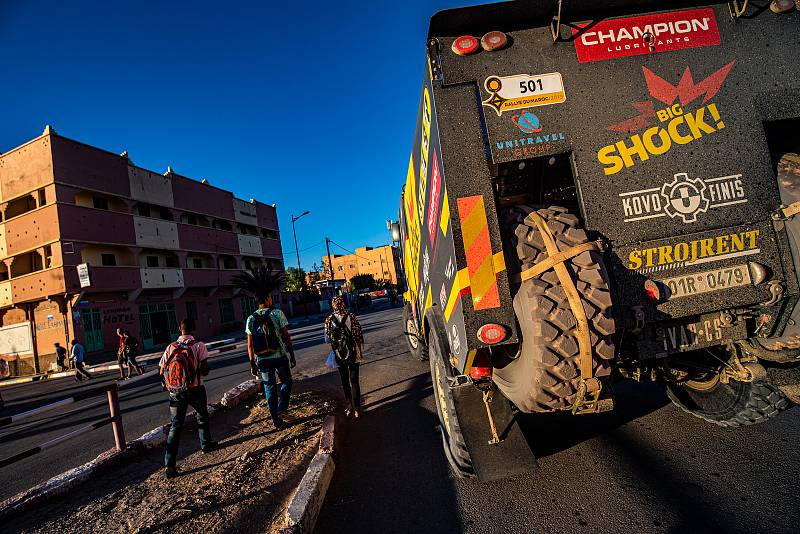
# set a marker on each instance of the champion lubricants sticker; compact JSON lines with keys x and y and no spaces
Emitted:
{"x":662,"y":32}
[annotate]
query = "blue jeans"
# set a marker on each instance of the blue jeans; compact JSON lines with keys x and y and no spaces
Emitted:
{"x":196,"y":397}
{"x":277,"y":402}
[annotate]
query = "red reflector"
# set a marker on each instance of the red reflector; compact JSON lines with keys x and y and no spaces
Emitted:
{"x":492,"y":333}
{"x":652,"y":291}
{"x":494,"y":41}
{"x":465,"y":45}
{"x":480,"y":373}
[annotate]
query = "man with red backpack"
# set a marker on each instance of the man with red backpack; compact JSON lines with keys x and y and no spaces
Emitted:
{"x":271,"y":353}
{"x":183,"y":366}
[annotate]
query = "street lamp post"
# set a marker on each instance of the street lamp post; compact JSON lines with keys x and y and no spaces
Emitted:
{"x":297,"y":250}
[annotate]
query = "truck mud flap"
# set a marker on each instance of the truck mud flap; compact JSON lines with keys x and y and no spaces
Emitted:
{"x":512,"y":456}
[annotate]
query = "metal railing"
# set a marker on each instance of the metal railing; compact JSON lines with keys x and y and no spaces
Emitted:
{"x":114,"y":419}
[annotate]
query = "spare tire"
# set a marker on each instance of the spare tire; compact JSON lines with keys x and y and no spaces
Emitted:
{"x":546,"y":374}
{"x":732,"y":404}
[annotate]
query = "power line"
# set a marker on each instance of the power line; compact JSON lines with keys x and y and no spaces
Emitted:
{"x":305,"y":249}
{"x":350,"y":251}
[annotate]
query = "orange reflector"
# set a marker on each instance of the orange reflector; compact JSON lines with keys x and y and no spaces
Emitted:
{"x":492,"y":333}
{"x":465,"y":45}
{"x":494,"y":41}
{"x":480,"y":373}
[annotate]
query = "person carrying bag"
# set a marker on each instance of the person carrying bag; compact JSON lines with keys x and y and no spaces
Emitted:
{"x":346,"y":339}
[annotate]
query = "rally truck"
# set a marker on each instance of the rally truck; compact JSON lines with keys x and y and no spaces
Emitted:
{"x":600,"y":191}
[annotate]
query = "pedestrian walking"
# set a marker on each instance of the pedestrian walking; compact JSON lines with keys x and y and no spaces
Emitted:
{"x":76,"y":357}
{"x":183,"y":366}
{"x":346,"y":338}
{"x":130,"y":347}
{"x":122,"y":360}
{"x":5,"y":372}
{"x":269,"y":344}
{"x":61,"y":357}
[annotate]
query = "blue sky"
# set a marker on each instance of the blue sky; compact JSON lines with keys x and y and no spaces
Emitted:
{"x":308,"y":105}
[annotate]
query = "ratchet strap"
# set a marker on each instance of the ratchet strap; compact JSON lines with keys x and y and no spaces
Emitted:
{"x":791,"y":210}
{"x":589,"y":386}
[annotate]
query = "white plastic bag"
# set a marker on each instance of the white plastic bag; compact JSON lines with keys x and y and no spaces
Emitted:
{"x":331,"y":361}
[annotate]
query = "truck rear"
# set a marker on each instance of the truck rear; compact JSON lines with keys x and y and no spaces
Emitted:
{"x":598,"y":192}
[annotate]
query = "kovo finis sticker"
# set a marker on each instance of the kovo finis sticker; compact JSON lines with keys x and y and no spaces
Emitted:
{"x":633,"y":36}
{"x":522,"y":91}
{"x":683,"y":198}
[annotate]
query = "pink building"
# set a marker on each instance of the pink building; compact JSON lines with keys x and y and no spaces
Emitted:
{"x":156,"y":248}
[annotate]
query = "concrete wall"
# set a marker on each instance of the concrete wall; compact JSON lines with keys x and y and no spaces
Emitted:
{"x":89,"y":167}
{"x":267,"y":216}
{"x":150,"y":187}
{"x":244,"y":212}
{"x":156,"y":233}
{"x":26,"y":168}
{"x":32,"y":286}
{"x":5,"y":294}
{"x":88,"y":224}
{"x":208,"y":240}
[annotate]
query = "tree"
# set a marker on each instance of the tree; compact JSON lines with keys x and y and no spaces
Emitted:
{"x":295,"y":279}
{"x":316,"y":274}
{"x":362,"y":281}
{"x":261,"y":281}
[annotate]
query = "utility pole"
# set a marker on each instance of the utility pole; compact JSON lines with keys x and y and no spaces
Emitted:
{"x":330,"y":263}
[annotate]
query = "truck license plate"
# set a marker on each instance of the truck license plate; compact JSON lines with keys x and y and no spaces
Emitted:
{"x":706,"y":332}
{"x":707,"y":281}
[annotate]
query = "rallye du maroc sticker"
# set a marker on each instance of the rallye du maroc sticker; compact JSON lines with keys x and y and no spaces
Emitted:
{"x":522,"y":91}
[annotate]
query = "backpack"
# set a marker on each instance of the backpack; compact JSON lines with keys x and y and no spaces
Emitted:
{"x":266,"y":343}
{"x":180,"y":369}
{"x":342,"y":341}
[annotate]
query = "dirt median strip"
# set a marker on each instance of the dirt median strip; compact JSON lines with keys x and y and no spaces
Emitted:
{"x":149,"y":440}
{"x":244,"y":486}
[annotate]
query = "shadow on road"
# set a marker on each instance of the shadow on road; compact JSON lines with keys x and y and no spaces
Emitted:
{"x":549,"y":434}
{"x":382,"y":465}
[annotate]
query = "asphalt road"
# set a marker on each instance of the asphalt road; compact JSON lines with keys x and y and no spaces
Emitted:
{"x":646,"y":467}
{"x":144,"y":406}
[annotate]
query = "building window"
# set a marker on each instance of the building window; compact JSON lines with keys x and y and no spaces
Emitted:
{"x":172,"y":261}
{"x":165,"y":214}
{"x":42,"y":198}
{"x":48,"y":256}
{"x":144,"y":211}
{"x":191,"y":219}
{"x":67,"y":247}
{"x":152,"y":261}
{"x":248,"y":306}
{"x":197,"y":263}
{"x":226,"y":316}
{"x":100,"y":203}
{"x":108,"y":260}
{"x":191,"y":310}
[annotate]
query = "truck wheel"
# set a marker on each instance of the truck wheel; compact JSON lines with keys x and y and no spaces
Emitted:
{"x":732,"y":404}
{"x":546,"y":375}
{"x":455,"y":447}
{"x":416,"y":345}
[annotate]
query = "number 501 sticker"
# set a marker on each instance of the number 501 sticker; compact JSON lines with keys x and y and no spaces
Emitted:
{"x":523,"y":91}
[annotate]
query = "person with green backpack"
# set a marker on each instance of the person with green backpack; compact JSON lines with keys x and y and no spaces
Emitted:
{"x":269,"y":346}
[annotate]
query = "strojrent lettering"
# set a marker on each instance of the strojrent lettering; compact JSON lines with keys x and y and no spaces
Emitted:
{"x":681,"y":129}
{"x":692,"y":251}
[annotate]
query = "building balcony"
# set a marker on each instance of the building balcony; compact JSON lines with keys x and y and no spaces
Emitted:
{"x":208,"y":277}
{"x":249,"y":245}
{"x":155,"y":233}
{"x":79,"y":223}
{"x":30,"y":230}
{"x":38,"y":285}
{"x":104,"y":279}
{"x":6,"y":294}
{"x":271,"y":248}
{"x":161,"y":277}
{"x":209,"y":240}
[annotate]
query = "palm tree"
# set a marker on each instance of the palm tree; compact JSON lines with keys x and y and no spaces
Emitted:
{"x":261,"y":281}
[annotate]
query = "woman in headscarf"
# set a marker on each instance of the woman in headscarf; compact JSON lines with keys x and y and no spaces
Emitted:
{"x":344,"y":332}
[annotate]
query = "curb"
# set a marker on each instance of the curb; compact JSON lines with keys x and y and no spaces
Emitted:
{"x":306,"y":503}
{"x":149,"y":440}
{"x":112,"y":366}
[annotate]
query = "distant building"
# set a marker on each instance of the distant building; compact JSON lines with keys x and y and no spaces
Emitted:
{"x":150,"y":248}
{"x":383,"y":263}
